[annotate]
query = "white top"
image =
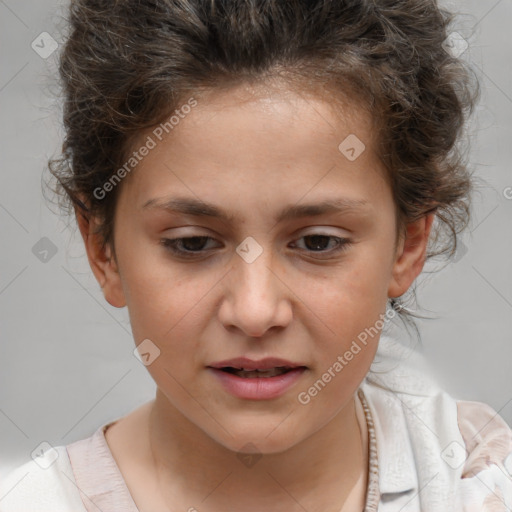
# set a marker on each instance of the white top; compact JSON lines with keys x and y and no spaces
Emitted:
{"x":428,"y":452}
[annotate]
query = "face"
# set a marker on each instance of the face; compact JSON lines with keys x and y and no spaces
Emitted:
{"x":293,"y":257}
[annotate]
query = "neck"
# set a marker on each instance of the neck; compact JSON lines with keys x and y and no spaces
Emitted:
{"x":326,"y":471}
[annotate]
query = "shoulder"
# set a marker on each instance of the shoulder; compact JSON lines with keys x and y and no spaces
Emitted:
{"x":486,"y":478}
{"x":458,"y":453}
{"x":45,"y":484}
{"x":487,"y":437}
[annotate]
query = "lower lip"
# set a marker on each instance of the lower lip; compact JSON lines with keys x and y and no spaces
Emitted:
{"x":258,"y":388}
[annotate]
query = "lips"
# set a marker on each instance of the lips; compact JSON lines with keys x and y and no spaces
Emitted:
{"x":249,"y":365}
{"x":263,"y":379}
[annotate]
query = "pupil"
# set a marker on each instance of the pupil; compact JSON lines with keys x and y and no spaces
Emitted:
{"x":316,"y":238}
{"x":195,"y":246}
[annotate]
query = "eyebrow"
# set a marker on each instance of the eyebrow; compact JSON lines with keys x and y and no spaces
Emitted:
{"x":199,"y":208}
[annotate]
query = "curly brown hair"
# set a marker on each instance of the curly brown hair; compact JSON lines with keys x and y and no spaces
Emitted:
{"x":127,"y":64}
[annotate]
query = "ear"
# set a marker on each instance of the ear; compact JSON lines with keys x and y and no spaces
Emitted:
{"x":101,"y":260}
{"x":410,"y":256}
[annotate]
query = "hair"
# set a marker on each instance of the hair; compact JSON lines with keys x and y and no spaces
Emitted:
{"x":127,"y":64}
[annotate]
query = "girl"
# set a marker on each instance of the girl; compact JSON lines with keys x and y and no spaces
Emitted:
{"x":259,"y":182}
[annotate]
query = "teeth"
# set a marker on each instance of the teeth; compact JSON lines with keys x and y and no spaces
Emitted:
{"x":272,"y":372}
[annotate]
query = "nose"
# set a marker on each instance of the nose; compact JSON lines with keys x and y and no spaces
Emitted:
{"x":257,"y":297}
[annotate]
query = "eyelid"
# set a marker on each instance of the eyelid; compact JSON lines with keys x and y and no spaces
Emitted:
{"x":321,"y":230}
{"x":303,"y":231}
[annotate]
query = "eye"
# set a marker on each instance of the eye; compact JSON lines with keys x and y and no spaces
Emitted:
{"x":319,"y":242}
{"x":193,"y":246}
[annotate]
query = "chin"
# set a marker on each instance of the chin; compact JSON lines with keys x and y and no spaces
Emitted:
{"x":258,"y":441}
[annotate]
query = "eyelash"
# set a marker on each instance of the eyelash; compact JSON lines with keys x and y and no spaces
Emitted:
{"x":171,"y":244}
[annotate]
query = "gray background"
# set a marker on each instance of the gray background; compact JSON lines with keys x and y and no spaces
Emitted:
{"x":66,"y":355}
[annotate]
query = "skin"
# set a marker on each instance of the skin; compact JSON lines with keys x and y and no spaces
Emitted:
{"x":253,"y":151}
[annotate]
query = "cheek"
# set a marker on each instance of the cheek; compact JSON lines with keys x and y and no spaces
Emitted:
{"x":345,"y":351}
{"x":356,"y":290}
{"x":151,"y":289}
{"x":166,"y":302}
{"x":349,"y":305}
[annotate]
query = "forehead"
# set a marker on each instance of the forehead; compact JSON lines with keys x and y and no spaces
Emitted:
{"x":253,"y":139}
{"x":265,"y":107}
{"x":277,"y":105}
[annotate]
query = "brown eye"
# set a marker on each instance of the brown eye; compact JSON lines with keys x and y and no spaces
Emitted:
{"x":324,"y":244}
{"x":186,"y":247}
{"x":317,"y":242}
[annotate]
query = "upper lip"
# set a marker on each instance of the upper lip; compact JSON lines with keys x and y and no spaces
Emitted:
{"x":250,"y":364}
